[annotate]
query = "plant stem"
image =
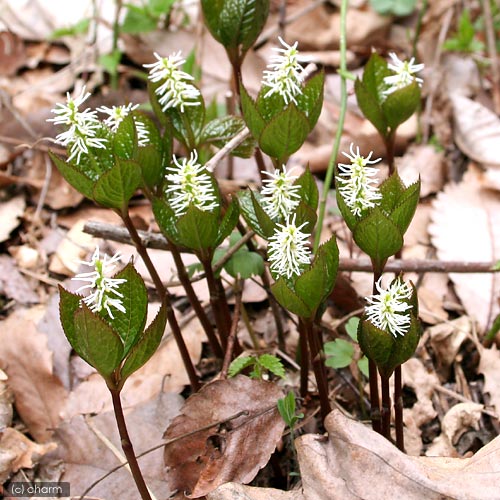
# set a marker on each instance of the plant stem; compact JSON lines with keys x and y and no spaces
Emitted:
{"x":219,"y":303}
{"x":127,"y":447}
{"x":116,"y":36}
{"x":304,"y":359}
{"x":194,"y":301}
{"x":318,"y":366}
{"x":386,"y":408}
{"x":340,"y":126}
{"x":261,"y":164}
{"x":163,"y":292}
{"x":234,"y":330}
{"x":390,"y":142}
{"x":373,"y":379}
{"x":398,"y":409}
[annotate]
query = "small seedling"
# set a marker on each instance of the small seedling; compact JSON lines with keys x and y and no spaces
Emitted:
{"x":465,"y":38}
{"x":260,"y":365}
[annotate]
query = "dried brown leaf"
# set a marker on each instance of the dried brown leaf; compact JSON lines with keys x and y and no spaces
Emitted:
{"x":10,"y":213}
{"x":235,"y":491}
{"x":26,"y":452}
{"x":12,"y":53}
{"x":356,"y":462}
{"x":233,"y":451}
{"x":466,"y":227}
{"x":13,"y":284}
{"x":477,"y":130}
{"x":489,"y":366}
{"x":39,"y":394}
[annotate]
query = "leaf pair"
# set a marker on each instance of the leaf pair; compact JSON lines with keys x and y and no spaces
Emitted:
{"x":379,"y":231}
{"x":116,"y":349}
{"x":280,"y":129}
{"x":385,"y":111}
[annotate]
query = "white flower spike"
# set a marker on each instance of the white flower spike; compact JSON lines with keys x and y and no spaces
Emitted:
{"x":285,"y":75}
{"x":387,"y":310}
{"x":288,"y":249}
{"x":116,"y":114}
{"x":175,"y":91}
{"x":189,"y":183}
{"x":355,"y":181}
{"x":82,"y":126}
{"x":404,"y":73}
{"x":105,"y":294}
{"x":281,"y":195}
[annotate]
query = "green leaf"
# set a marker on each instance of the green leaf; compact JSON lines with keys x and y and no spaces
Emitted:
{"x":146,"y":346}
{"x":304,"y":213}
{"x":221,"y":130}
{"x":396,"y":7}
{"x":290,"y":300}
{"x":392,"y":190}
{"x":138,"y":20}
{"x":351,"y":327}
{"x":111,"y":61}
{"x":375,"y":71}
{"x":116,"y":186}
{"x":405,"y":210}
{"x":401,"y":104}
{"x":239,"y":364}
{"x":310,"y":101}
{"x":340,"y":353}
{"x":286,"y":407}
{"x":349,"y":218}
{"x":129,"y":325}
{"x":308,"y":189}
{"x":198,"y":229}
{"x":166,"y":219}
{"x":284,"y":134}
{"x":235,"y":23}
{"x":100,"y":344}
{"x":270,"y":105}
{"x":255,"y":216}
{"x":272,"y":364}
{"x":316,"y":284}
{"x":160,"y":7}
{"x":245,"y":264}
{"x":378,"y":236}
{"x":125,"y":139}
{"x":363,"y":366}
{"x":251,"y":114}
{"x":150,"y":162}
{"x":79,"y":28}
{"x":73,"y":176}
{"x":69,"y":303}
{"x":370,"y":107}
{"x":228,"y":223}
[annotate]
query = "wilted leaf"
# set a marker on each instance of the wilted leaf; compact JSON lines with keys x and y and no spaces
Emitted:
{"x":466,"y":227}
{"x":356,"y":462}
{"x":489,"y":366}
{"x":230,"y":451}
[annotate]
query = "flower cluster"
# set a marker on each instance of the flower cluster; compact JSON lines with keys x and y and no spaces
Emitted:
{"x":281,"y":195}
{"x":82,"y":126}
{"x":288,"y":249}
{"x":116,"y":114}
{"x":189,"y":183}
{"x":404,"y":73}
{"x":175,"y":90}
{"x":105,"y":294}
{"x":387,"y":309}
{"x":285,"y":75}
{"x":355,"y":182}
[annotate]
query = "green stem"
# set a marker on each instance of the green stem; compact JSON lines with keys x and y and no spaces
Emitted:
{"x":127,"y":447}
{"x":340,"y":126}
{"x":163,"y":293}
{"x":390,"y":143}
